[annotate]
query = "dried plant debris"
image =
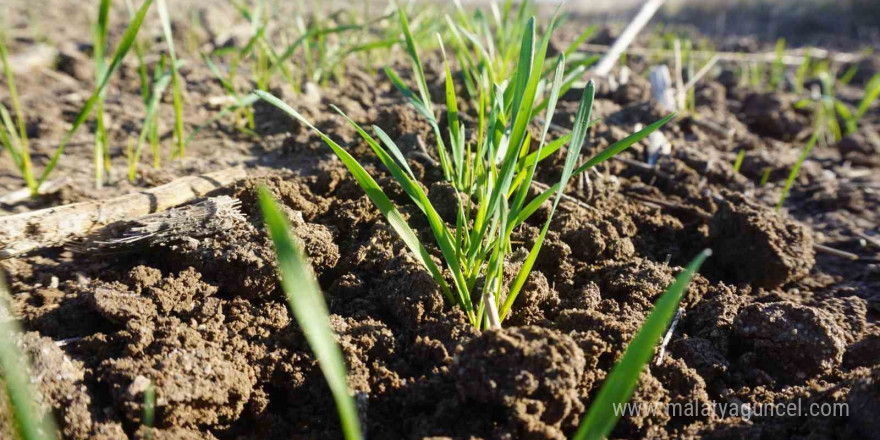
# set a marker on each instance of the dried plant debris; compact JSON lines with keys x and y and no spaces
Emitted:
{"x":201,"y":219}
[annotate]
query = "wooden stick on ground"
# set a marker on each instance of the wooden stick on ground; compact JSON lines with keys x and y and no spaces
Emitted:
{"x":21,"y":233}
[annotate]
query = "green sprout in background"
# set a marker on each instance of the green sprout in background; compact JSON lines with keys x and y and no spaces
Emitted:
{"x":14,"y":137}
{"x":128,"y":39}
{"x":176,"y":81}
{"x":828,"y":111}
{"x":101,"y":145}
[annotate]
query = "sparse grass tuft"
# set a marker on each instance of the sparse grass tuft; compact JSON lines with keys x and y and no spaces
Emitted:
{"x":125,"y":44}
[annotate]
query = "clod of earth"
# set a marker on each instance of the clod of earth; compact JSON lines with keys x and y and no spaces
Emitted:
{"x":531,"y":373}
{"x":864,"y":402}
{"x":759,"y":247}
{"x":791,"y":342}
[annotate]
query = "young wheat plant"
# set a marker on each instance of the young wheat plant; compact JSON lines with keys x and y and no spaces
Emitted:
{"x":495,"y":173}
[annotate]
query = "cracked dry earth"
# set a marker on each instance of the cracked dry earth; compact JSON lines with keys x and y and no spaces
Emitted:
{"x":768,"y":320}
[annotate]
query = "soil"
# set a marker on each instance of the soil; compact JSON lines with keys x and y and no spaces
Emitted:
{"x":203,"y":317}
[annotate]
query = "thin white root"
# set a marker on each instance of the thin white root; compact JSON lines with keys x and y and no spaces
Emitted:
{"x":668,"y":336}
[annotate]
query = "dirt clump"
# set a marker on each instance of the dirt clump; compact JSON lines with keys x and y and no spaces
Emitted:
{"x":530,"y":372}
{"x":863,"y":353}
{"x":755,"y":245}
{"x":791,"y":342}
{"x":445,"y":199}
{"x":861,"y":148}
{"x":240,"y":260}
{"x":849,"y":312}
{"x":288,"y":191}
{"x":864,"y":403}
{"x":712,"y":317}
{"x":536,"y":302}
{"x":701,"y":355}
{"x":772,"y":114}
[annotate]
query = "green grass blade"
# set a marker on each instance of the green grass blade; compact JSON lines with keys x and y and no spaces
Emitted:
{"x":219,"y":75}
{"x":622,"y":381}
{"x":177,"y":98}
{"x":412,"y":50}
{"x":457,"y":147}
{"x":602,"y":156}
{"x":524,"y":66}
{"x":10,"y":138}
{"x":586,"y":34}
{"x":307,"y":303}
{"x":801,"y":73}
{"x":374,"y":192}
{"x":20,"y":140}
{"x":525,"y":87}
{"x":150,"y":115}
{"x":142,"y":64}
{"x":578,"y":134}
{"x":101,"y":31}
{"x":789,"y":182}
{"x":395,"y":151}
{"x":848,"y":75}
{"x":149,"y":414}
{"x":533,"y":205}
{"x":740,"y":157}
{"x":548,"y":118}
{"x":124,"y":45}
{"x":548,"y":150}
{"x":426,"y":107}
{"x":406,"y":180}
{"x":13,"y":369}
{"x":848,"y":119}
{"x":777,"y":70}
{"x":442,"y":234}
{"x":872,"y":91}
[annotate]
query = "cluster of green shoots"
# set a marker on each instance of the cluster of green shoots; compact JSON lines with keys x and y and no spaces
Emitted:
{"x":491,"y":177}
{"x":314,"y":52}
{"x":14,"y":136}
{"x":832,"y":117}
{"x":165,"y":72}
